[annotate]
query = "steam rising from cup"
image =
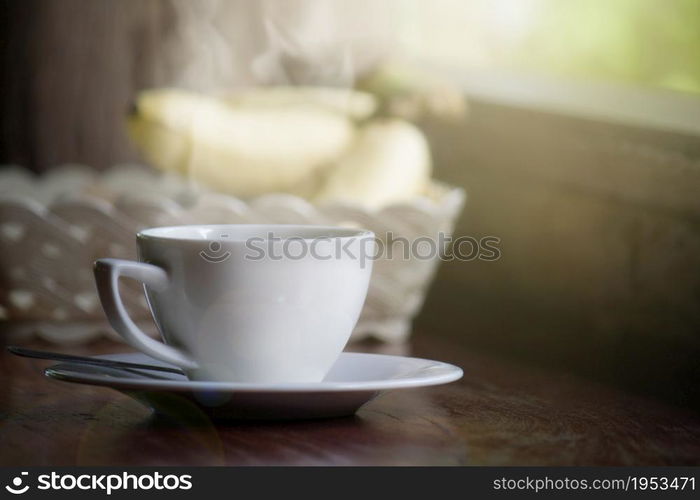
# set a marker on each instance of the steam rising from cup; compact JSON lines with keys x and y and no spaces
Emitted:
{"x":303,"y":46}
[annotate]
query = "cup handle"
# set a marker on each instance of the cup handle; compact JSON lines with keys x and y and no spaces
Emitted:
{"x":107,"y":273}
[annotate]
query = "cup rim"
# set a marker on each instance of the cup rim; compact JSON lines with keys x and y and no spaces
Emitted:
{"x":290,"y":231}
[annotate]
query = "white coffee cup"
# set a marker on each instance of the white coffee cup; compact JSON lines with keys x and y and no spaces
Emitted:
{"x":245,"y":303}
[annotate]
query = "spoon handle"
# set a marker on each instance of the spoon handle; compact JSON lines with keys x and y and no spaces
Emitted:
{"x":56,"y":356}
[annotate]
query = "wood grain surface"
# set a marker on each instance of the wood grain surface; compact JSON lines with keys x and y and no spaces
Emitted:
{"x":498,"y":414}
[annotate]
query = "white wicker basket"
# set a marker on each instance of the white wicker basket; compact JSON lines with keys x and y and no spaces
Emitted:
{"x":53,"y":227}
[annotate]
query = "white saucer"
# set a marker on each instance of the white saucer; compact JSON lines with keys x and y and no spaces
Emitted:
{"x":355,"y":379}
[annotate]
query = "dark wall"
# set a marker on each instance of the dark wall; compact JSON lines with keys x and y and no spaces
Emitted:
{"x":68,"y":70}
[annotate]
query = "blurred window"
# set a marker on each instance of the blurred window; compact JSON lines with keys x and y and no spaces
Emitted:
{"x":655,"y":43}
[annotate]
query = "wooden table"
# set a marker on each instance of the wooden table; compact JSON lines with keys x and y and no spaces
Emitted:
{"x":498,"y":414}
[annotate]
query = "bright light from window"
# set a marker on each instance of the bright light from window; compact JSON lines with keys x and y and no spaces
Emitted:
{"x":648,"y":42}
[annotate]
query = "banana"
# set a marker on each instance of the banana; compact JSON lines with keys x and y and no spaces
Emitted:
{"x":352,"y":103}
{"x":243,"y":149}
{"x":389,"y":162}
